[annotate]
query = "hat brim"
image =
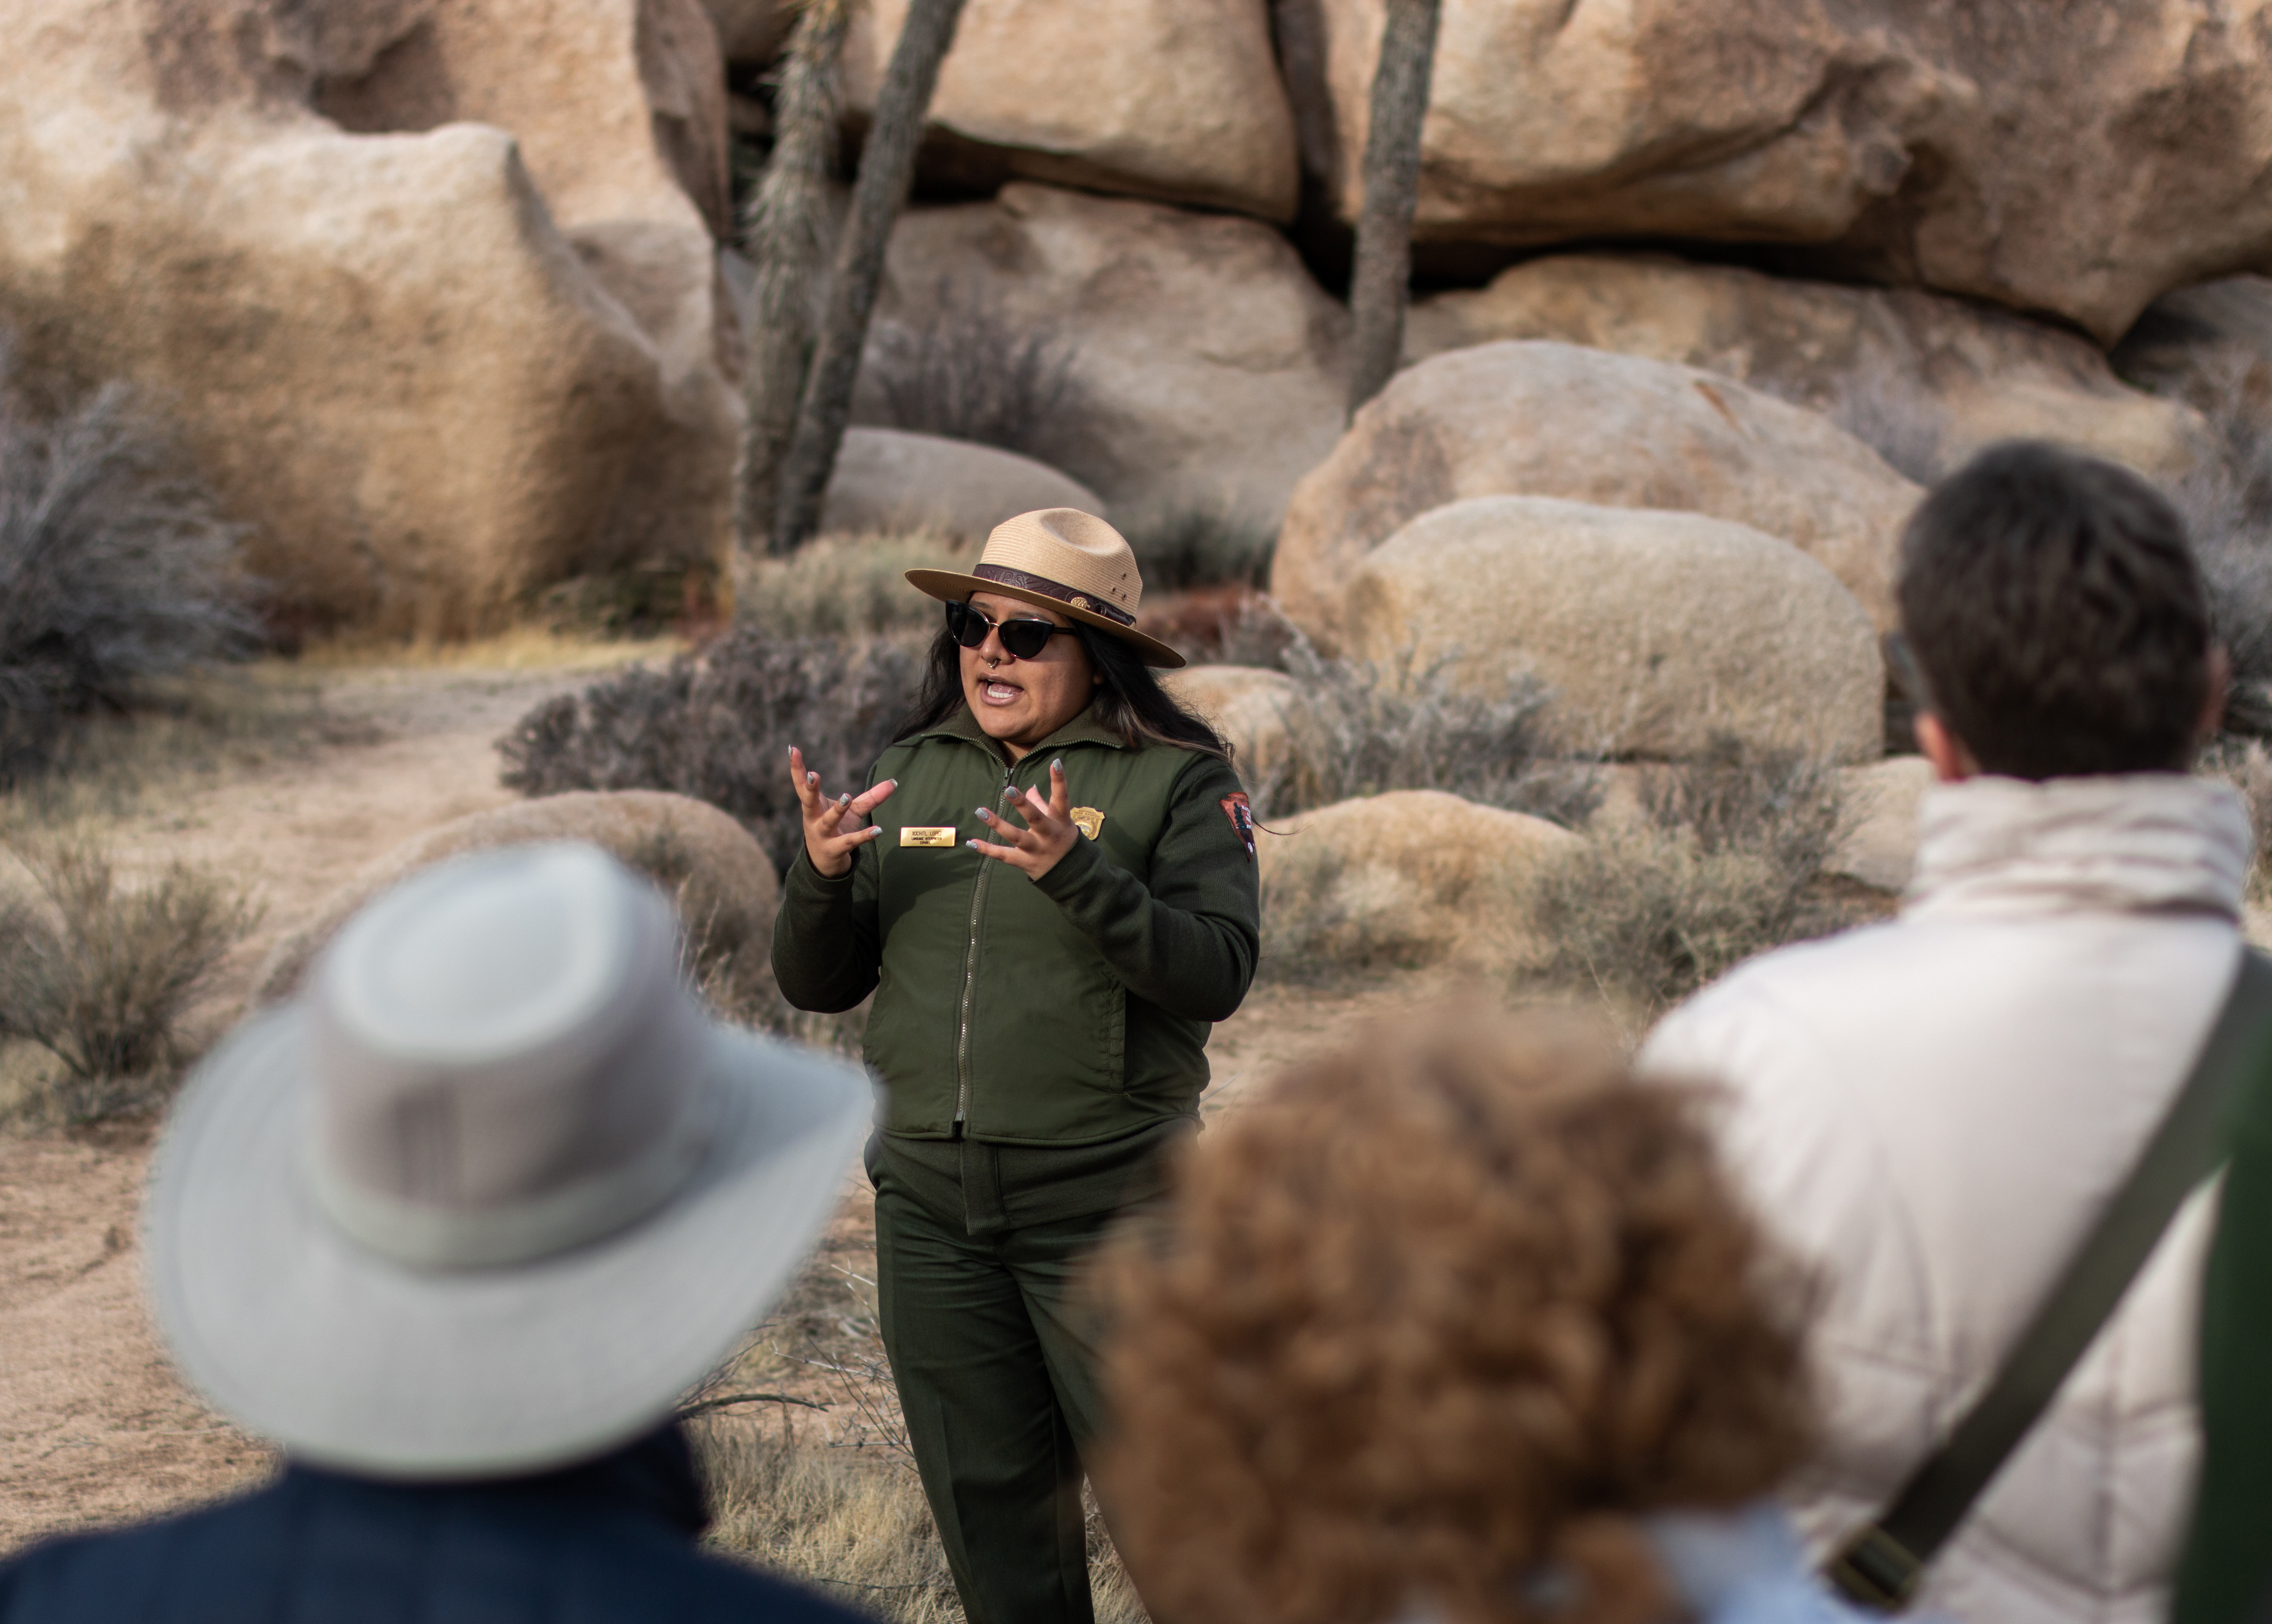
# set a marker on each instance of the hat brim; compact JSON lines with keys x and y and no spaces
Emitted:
{"x":949,"y":588}
{"x":353,"y":1361}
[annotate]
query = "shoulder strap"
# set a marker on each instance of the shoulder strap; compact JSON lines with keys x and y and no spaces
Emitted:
{"x":1880,"y":1565}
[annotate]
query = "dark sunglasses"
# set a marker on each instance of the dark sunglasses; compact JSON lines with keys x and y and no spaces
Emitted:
{"x":1024,"y":637}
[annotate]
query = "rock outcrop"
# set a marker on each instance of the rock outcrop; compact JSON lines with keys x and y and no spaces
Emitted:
{"x":1924,"y":380}
{"x":1409,"y":878}
{"x":1657,"y":631}
{"x":438,"y":319}
{"x":1535,"y":418}
{"x":887,"y":479}
{"x":1202,"y":365}
{"x":1176,"y":100}
{"x":716,"y":873}
{"x":2009,"y":153}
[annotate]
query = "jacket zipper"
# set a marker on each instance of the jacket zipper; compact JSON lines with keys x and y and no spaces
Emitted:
{"x":970,"y":982}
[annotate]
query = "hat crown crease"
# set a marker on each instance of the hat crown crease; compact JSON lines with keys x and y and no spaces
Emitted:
{"x":446,"y":1135}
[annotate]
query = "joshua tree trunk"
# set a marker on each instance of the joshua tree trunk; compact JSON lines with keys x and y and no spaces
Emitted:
{"x":788,"y":239}
{"x":1381,"y":283}
{"x":887,"y":166}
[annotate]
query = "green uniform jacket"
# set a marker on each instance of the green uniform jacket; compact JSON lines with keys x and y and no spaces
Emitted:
{"x":1064,"y":1011}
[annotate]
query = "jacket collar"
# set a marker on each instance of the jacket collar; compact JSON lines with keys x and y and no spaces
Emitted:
{"x":1082,"y":729}
{"x":654,"y":1475}
{"x":2128,"y":843}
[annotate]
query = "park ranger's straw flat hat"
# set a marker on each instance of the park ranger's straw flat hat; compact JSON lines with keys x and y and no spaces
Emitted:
{"x":1060,"y":558}
{"x":494,"y":1192}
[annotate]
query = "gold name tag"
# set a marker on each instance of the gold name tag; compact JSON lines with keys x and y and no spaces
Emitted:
{"x":1088,"y":820}
{"x":933,"y":834}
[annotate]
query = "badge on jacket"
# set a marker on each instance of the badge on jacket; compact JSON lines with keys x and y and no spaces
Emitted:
{"x":1240,"y":813}
{"x":1088,"y":820}
{"x":927,"y":835}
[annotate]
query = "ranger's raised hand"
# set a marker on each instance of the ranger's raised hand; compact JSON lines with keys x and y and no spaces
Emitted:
{"x":833,"y":829}
{"x":1049,"y":834}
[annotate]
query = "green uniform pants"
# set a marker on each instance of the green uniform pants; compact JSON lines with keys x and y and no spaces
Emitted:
{"x":994,"y":1355}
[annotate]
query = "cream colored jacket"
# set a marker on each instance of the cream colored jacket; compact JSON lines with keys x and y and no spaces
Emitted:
{"x":1932,"y":1111}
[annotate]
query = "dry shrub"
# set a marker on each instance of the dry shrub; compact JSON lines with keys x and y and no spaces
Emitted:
{"x":1726,"y":862}
{"x":717,"y":725}
{"x":1354,"y":729}
{"x":848,"y":587}
{"x":969,"y":370}
{"x":115,"y":570}
{"x":2247,"y":765}
{"x":1180,"y":548}
{"x":100,"y":975}
{"x":1437,"y":1317}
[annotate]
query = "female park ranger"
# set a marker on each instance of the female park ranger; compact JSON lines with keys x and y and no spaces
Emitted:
{"x":1049,"y":884}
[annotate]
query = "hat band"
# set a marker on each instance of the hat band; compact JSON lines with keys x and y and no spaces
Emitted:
{"x":589,"y":1209}
{"x":1002,"y":575}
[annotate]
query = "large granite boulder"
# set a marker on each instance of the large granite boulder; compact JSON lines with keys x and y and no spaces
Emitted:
{"x":1535,"y":418}
{"x":2026,"y":155}
{"x":716,"y":873}
{"x":1176,"y":100}
{"x":886,"y":479}
{"x":427,"y":285}
{"x":1924,"y":380}
{"x":1202,"y":365}
{"x":1412,"y":877}
{"x":1658,"y":633}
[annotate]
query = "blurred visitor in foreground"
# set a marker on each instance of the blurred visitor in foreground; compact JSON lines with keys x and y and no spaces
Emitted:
{"x":1934,"y":1112}
{"x":1458,"y":1324}
{"x":2226,"y":1577}
{"x":456,"y":1229}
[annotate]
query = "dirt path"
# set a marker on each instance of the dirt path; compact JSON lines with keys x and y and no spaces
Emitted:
{"x":95,"y":1426}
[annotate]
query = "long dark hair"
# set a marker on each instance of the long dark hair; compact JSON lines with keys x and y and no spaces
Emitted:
{"x":1129,"y":701}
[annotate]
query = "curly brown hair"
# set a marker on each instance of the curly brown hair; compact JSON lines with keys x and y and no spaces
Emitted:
{"x":1428,"y":1324}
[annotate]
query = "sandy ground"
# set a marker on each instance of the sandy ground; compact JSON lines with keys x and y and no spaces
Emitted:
{"x":95,"y":1426}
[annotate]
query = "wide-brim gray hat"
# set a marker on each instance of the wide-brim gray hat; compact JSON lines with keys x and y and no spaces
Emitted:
{"x":494,"y":1193}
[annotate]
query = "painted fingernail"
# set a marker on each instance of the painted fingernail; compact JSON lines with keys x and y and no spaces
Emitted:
{"x":972,"y":844}
{"x":1058,"y":766}
{"x":844,"y":799}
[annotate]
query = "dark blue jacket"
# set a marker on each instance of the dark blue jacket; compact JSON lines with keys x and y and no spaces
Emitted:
{"x":608,"y":1541}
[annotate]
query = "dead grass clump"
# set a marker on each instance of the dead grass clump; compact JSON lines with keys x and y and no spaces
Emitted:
{"x":1355,"y":728}
{"x":115,"y":570}
{"x":717,"y":725}
{"x":100,"y":975}
{"x":969,"y":370}
{"x":847,"y":587}
{"x":1725,"y":862}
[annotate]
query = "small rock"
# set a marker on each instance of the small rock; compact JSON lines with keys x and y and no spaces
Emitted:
{"x":719,"y":877}
{"x":1657,"y":631}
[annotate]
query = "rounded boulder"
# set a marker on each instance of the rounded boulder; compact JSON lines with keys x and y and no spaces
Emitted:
{"x":1409,"y":877}
{"x":1247,"y":706}
{"x":889,"y":479}
{"x":1543,"y":419}
{"x":1657,"y":631}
